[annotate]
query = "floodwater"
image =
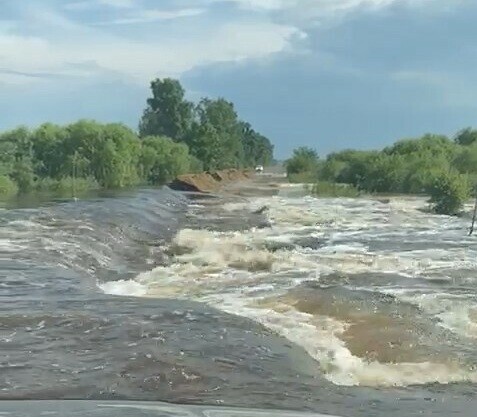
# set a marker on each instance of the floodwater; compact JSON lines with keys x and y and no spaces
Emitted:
{"x":262,"y":297}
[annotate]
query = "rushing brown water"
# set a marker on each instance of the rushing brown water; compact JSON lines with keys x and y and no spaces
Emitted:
{"x":341,"y":306}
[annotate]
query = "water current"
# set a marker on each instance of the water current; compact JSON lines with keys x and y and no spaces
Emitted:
{"x":261,"y":297}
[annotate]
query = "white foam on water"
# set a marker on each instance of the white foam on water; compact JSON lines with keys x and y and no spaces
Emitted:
{"x":27,"y":224}
{"x":237,"y":206}
{"x":238,"y":250}
{"x":9,"y":246}
{"x":319,"y":336}
{"x":461,"y":319}
{"x":129,"y":288}
{"x":233,"y":270}
{"x":457,"y":313}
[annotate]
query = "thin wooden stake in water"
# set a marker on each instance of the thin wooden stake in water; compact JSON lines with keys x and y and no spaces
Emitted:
{"x":473,"y":218}
{"x":74,"y":176}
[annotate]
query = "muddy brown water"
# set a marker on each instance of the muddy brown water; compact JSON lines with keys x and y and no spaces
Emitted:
{"x":348,"y":307}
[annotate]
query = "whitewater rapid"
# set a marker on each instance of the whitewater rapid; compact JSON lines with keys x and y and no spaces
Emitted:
{"x":379,"y":292}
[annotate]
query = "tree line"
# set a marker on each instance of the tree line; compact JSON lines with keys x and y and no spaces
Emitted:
{"x":444,"y":168}
{"x":175,"y":136}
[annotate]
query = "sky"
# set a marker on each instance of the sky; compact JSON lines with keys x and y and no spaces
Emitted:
{"x":329,"y":74}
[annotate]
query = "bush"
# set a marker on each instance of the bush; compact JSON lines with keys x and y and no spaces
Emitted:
{"x":7,"y":186}
{"x":449,"y":192}
{"x":195,"y":165}
{"x":23,"y":175}
{"x":67,"y":185}
{"x":302,"y":178}
{"x":329,"y":189}
{"x":162,"y":159}
{"x":303,"y":160}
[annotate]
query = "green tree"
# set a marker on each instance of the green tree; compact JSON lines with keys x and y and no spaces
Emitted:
{"x":383,"y":173}
{"x":211,"y":129}
{"x":7,"y":155}
{"x":408,"y":166}
{"x":7,"y":186}
{"x":48,"y":143}
{"x":421,"y":170}
{"x":167,"y":112}
{"x":84,"y":139}
{"x":466,"y":136}
{"x":257,"y":149}
{"x":118,"y":157}
{"x":161,"y":159}
{"x":215,"y":136}
{"x":449,"y":192}
{"x":330,"y":169}
{"x":22,"y":141}
{"x":206,"y":145}
{"x":177,"y":137}
{"x":466,"y":159}
{"x":356,"y":167}
{"x":23,"y":175}
{"x":304,"y":160}
{"x":17,"y":157}
{"x":429,"y":144}
{"x":219,"y":116}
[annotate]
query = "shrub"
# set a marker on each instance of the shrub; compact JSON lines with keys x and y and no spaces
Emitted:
{"x":67,"y":185}
{"x":449,"y":192}
{"x":329,"y":189}
{"x":195,"y":165}
{"x":303,"y":160}
{"x":7,"y":186}
{"x":302,"y":178}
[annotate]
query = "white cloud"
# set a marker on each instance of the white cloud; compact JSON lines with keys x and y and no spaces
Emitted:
{"x":311,"y":9}
{"x":119,"y":3}
{"x":92,"y":4}
{"x":323,"y":5}
{"x":146,"y":16}
{"x":261,"y":4}
{"x":84,"y":51}
{"x":68,"y":48}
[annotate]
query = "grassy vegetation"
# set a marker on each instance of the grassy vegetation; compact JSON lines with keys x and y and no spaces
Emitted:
{"x":67,"y":186}
{"x":330,"y":189}
{"x":175,"y":137}
{"x":449,"y":192}
{"x":433,"y":165}
{"x":302,"y":178}
{"x":7,"y":186}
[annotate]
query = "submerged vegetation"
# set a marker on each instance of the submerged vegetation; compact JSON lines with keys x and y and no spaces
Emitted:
{"x":175,"y":136}
{"x":332,"y":189}
{"x":432,"y":164}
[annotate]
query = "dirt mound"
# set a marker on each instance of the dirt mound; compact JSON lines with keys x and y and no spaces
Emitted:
{"x":231,"y":175}
{"x":207,"y":182}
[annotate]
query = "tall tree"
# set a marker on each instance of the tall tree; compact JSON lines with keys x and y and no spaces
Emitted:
{"x":162,"y":159}
{"x":466,"y":136}
{"x":48,"y":149}
{"x":18,"y":157}
{"x":206,"y":145}
{"x":304,"y":159}
{"x":257,"y":148}
{"x":218,"y":120}
{"x":167,"y":113}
